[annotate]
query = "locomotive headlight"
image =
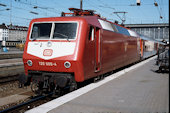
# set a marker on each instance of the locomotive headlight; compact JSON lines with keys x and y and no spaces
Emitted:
{"x":67,"y":64}
{"x":29,"y":62}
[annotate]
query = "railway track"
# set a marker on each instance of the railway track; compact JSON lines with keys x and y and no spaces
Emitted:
{"x":10,"y":55}
{"x":31,"y":103}
{"x":10,"y":69}
{"x":7,"y":79}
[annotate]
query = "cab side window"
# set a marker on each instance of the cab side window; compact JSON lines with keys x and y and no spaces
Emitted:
{"x":91,"y":33}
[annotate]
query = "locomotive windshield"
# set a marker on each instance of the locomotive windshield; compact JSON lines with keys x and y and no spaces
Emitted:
{"x":41,"y":31}
{"x":65,"y":31}
{"x":60,"y":31}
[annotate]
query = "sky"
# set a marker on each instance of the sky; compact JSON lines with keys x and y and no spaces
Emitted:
{"x":20,"y":12}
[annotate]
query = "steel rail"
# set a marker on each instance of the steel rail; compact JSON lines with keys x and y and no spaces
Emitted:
{"x":8,"y":79}
{"x":24,"y":103}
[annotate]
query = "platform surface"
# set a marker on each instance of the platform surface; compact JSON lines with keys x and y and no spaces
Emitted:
{"x":140,"y":90}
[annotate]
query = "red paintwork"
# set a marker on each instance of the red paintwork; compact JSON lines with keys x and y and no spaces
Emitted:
{"x":108,"y":51}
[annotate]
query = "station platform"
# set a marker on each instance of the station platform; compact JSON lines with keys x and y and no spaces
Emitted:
{"x":137,"y":89}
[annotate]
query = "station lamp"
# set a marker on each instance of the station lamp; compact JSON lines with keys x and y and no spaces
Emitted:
{"x":138,"y":2}
{"x":156,"y":4}
{"x":35,"y":7}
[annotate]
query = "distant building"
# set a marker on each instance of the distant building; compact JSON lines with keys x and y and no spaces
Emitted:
{"x":155,"y":31}
{"x":4,"y":31}
{"x":17,"y":33}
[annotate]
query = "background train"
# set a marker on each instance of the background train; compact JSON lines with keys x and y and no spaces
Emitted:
{"x":63,"y":51}
{"x":12,"y":44}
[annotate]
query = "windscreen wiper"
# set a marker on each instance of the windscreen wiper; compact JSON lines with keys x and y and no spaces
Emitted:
{"x":67,"y":37}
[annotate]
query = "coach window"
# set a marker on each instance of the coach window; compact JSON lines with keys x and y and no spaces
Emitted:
{"x":91,"y":33}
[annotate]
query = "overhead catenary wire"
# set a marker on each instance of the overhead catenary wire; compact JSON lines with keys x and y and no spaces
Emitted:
{"x":104,"y":8}
{"x":157,"y":5}
{"x":28,"y":10}
{"x":161,"y":10}
{"x":17,"y":17}
{"x":35,"y":6}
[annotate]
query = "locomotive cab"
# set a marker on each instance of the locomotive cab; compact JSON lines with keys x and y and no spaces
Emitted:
{"x":51,"y":52}
{"x":55,"y":51}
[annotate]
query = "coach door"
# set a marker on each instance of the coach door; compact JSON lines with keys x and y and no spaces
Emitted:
{"x":141,"y":48}
{"x":97,"y":50}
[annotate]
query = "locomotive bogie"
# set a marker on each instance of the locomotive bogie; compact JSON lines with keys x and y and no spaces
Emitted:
{"x":50,"y":82}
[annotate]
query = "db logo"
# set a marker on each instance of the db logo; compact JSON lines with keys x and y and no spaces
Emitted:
{"x":48,"y":52}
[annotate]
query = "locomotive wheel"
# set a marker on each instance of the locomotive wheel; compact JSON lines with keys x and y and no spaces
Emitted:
{"x":73,"y":86}
{"x":52,"y":87}
{"x":58,"y":92}
{"x":35,"y":87}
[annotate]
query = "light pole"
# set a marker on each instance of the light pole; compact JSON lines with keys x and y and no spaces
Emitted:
{"x":81,"y":4}
{"x":11,"y":12}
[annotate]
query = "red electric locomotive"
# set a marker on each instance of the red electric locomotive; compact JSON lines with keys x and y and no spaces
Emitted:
{"x":61,"y":51}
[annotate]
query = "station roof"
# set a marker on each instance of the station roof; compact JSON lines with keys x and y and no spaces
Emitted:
{"x":147,"y":25}
{"x":16,"y":27}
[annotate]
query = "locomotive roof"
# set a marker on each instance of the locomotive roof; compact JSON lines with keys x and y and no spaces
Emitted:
{"x":93,"y":20}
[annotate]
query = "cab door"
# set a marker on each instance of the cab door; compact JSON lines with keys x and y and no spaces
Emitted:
{"x":97,"y":49}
